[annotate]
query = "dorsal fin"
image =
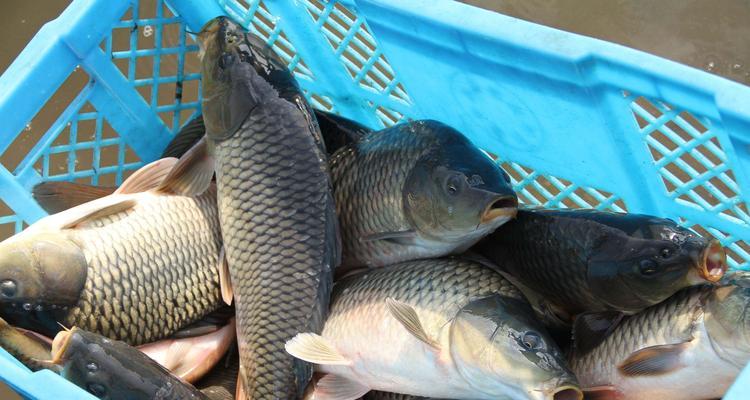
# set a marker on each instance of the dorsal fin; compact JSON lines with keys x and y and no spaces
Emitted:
{"x":192,"y":174}
{"x":147,"y":177}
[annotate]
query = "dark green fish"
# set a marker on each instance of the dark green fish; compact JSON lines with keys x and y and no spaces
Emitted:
{"x":111,"y":369}
{"x":275,"y":205}
{"x":592,"y":261}
{"x":416,"y":190}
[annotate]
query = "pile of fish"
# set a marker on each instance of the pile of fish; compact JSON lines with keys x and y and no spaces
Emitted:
{"x":277,"y":252}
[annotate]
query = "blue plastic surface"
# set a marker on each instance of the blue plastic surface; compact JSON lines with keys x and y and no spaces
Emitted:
{"x":576,"y":122}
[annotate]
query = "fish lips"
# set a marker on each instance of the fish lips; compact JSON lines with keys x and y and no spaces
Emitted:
{"x":500,"y":207}
{"x":711,"y":263}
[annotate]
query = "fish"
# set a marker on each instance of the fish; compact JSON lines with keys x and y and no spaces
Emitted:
{"x":443,"y":328}
{"x":137,"y":265}
{"x":25,"y":346}
{"x":602,"y":263}
{"x":111,"y":369}
{"x":690,"y":347}
{"x":337,"y":132}
{"x":418,"y":189}
{"x":276,"y":208}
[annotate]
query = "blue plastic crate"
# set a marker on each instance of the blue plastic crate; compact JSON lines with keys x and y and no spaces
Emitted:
{"x":576,"y":122}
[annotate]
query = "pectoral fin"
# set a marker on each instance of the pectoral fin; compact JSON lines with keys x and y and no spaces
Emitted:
{"x":400,"y":237}
{"x":406,"y":315}
{"x":334,"y":387}
{"x":590,"y":329}
{"x":227,"y":293}
{"x":315,"y":349}
{"x":654,"y":360}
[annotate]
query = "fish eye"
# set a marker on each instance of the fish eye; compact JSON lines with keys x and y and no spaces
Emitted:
{"x":666,"y":252}
{"x":8,"y":288}
{"x":648,"y":267}
{"x":97,"y":389}
{"x":531,"y":340}
{"x":453,"y":184}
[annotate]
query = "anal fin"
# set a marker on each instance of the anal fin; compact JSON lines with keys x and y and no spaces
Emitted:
{"x":334,"y":387}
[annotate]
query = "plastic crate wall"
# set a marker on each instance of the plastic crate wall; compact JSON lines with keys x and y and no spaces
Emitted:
{"x":576,"y":122}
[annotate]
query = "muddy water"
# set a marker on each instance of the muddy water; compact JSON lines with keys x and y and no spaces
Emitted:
{"x":708,"y":35}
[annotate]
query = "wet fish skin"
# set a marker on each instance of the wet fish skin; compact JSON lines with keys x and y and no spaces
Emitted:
{"x":416,"y":190}
{"x":111,"y":369}
{"x":275,"y":205}
{"x":138,"y":274}
{"x":690,"y":347}
{"x":29,"y":351}
{"x":594,"y":261}
{"x":474,"y":325}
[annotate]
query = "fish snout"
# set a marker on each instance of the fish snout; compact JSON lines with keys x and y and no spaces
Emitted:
{"x":712,"y":262}
{"x":505,"y":206}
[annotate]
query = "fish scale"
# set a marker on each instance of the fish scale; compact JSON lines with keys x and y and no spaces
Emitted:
{"x":360,"y":174}
{"x":141,"y":288}
{"x":436,"y":286}
{"x":668,"y":322}
{"x":274,"y":191}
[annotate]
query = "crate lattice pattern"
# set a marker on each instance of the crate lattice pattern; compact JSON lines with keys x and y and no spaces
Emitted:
{"x":694,"y":169}
{"x":350,"y":40}
{"x":535,"y":189}
{"x":151,"y":48}
{"x":154,"y":52}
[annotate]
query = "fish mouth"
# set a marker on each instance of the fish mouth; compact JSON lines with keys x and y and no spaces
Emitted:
{"x":60,"y":344}
{"x":713,"y":263}
{"x":566,"y":393}
{"x":503,"y":206}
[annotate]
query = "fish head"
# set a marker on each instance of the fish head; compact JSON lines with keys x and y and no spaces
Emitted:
{"x":235,"y":69}
{"x":41,"y":270}
{"x":498,"y":348}
{"x":727,"y":320}
{"x":455,"y":192}
{"x":633,"y":272}
{"x":106,"y":368}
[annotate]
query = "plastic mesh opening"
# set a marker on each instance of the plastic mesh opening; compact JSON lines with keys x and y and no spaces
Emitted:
{"x":151,"y":48}
{"x":690,"y":160}
{"x":356,"y":48}
{"x":537,"y":189}
{"x":38,"y":128}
